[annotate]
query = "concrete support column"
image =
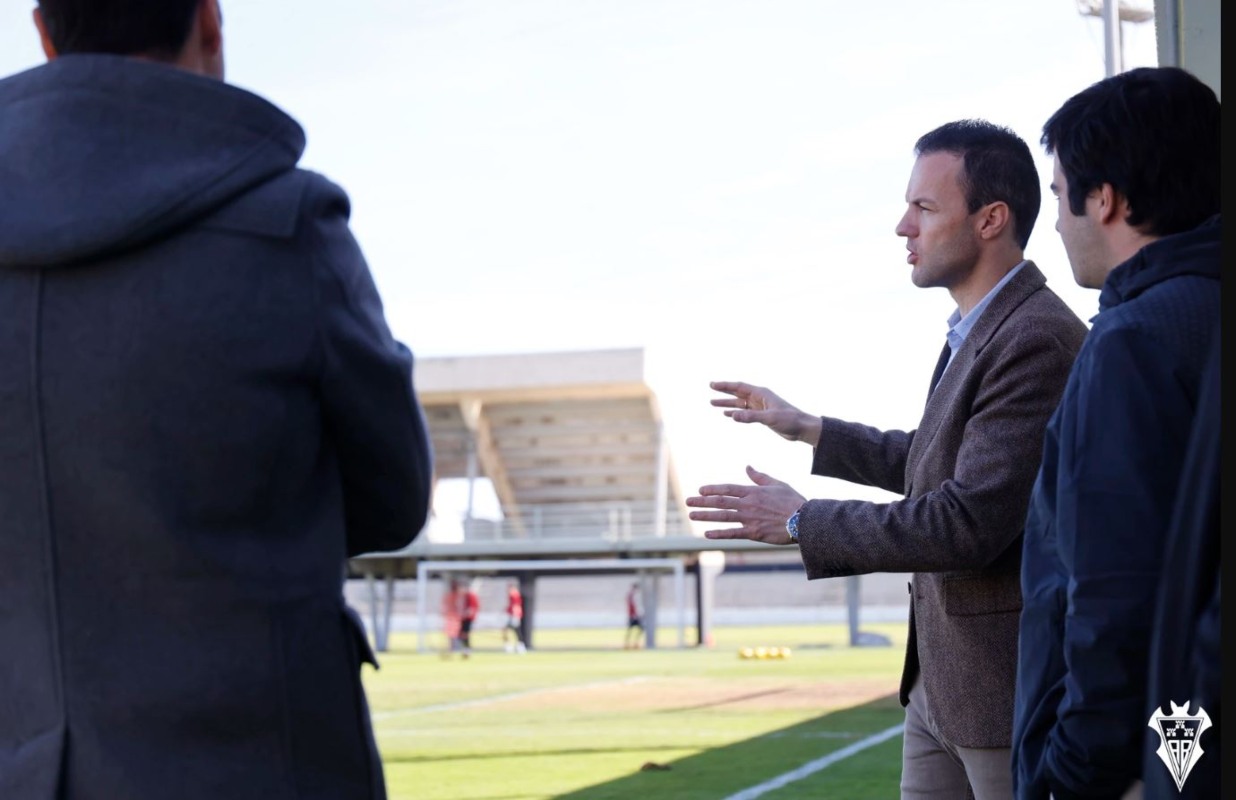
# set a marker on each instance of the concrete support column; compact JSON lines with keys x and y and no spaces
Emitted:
{"x":648,"y":585}
{"x":661,"y":496}
{"x":527,"y":588}
{"x":708,"y":566}
{"x":853,"y":600}
{"x":1113,"y":38}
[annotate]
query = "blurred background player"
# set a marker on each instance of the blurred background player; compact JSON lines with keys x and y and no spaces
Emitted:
{"x":512,"y":634}
{"x":635,"y":619}
{"x":471,"y":608}
{"x":452,"y":617}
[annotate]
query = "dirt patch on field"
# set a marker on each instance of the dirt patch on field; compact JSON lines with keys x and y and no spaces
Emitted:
{"x":687,"y":694}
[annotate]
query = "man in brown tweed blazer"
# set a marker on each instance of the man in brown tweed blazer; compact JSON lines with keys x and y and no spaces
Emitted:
{"x":965,"y":473}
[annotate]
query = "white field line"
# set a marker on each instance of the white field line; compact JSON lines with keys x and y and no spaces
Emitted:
{"x":482,"y":701}
{"x":817,"y":765}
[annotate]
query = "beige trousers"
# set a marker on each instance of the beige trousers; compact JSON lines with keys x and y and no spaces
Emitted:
{"x":934,"y":769}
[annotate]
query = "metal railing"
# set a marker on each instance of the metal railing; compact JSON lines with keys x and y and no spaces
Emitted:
{"x":617,"y":522}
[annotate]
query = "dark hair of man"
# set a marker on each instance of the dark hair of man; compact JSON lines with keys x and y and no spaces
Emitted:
{"x":153,"y":28}
{"x":996,"y":166}
{"x":1153,"y":134}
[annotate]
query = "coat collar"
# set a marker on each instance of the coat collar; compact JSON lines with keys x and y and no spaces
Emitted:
{"x":1025,"y":283}
{"x":940,"y":403}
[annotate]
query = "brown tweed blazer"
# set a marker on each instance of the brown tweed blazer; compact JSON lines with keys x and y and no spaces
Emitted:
{"x":965,"y":473}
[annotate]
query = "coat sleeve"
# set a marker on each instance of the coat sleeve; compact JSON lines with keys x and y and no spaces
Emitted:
{"x":862,"y":454}
{"x":373,"y":418}
{"x":1122,"y":445}
{"x":972,"y":517}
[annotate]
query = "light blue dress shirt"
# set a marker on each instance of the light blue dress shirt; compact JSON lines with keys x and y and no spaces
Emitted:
{"x":959,"y":326}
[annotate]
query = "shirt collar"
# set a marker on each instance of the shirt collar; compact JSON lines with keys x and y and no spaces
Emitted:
{"x":959,"y":326}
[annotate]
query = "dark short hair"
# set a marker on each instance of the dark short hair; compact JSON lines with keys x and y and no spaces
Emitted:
{"x":1153,"y":134}
{"x":157,"y":28}
{"x":996,"y":166}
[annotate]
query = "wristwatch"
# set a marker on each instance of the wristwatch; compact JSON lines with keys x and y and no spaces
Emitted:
{"x":791,"y":524}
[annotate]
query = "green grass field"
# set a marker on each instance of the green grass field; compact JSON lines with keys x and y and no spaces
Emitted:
{"x":581,"y":718}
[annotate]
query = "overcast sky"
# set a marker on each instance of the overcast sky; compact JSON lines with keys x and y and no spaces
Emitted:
{"x":716,"y":181}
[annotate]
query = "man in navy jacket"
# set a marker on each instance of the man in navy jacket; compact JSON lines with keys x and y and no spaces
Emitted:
{"x":202,"y":414}
{"x":1137,"y":181}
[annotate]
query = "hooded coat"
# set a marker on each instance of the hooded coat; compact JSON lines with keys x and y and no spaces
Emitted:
{"x":1099,"y":518}
{"x":202,"y":415}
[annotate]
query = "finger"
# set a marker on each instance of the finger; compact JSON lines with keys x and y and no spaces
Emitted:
{"x":727,"y":533}
{"x":740,"y":399}
{"x":713,"y":501}
{"x":728,"y":489}
{"x":714,"y":516}
{"x":763,"y":478}
{"x":730,"y":387}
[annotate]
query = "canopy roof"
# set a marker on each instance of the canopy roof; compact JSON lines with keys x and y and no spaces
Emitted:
{"x":572,"y":442}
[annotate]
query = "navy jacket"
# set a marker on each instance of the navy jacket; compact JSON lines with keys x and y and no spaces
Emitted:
{"x":202,"y":414}
{"x":1185,"y":663}
{"x":1099,"y":517}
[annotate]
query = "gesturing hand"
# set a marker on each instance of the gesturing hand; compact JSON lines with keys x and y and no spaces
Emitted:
{"x":761,"y":510}
{"x":748,"y":403}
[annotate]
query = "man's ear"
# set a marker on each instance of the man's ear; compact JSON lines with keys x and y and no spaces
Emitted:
{"x":49,"y":49}
{"x":1112,"y":206}
{"x":993,"y":219}
{"x":210,"y":24}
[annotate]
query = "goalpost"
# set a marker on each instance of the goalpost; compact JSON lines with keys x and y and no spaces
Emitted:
{"x":425,"y":569}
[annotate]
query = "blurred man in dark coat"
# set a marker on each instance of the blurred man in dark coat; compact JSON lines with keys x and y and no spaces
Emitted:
{"x":202,"y":414}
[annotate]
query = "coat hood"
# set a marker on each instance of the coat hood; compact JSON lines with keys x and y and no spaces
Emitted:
{"x":99,"y":154}
{"x":1194,"y":252}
